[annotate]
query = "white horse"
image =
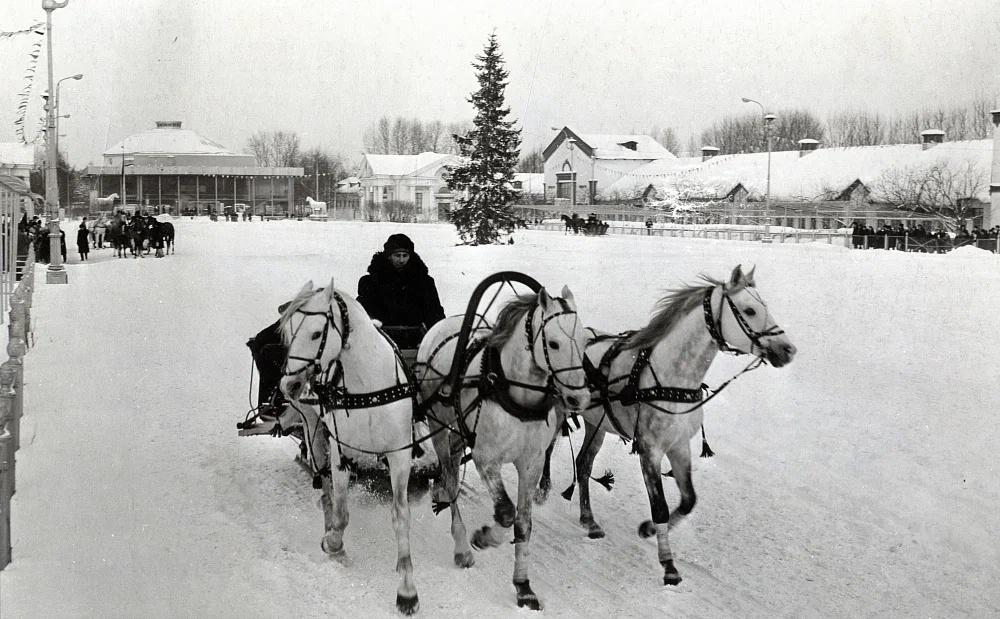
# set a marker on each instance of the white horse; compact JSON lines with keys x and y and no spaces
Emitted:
{"x":353,"y":370}
{"x":108,"y":202}
{"x":318,"y":208}
{"x":648,"y":389}
{"x":504,"y":412}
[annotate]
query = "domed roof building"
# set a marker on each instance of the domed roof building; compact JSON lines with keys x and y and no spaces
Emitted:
{"x":176,"y":170}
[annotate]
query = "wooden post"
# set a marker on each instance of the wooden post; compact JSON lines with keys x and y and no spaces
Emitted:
{"x":6,"y":490}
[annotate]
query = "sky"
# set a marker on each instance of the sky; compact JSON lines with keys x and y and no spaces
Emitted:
{"x":860,"y":480}
{"x":327,"y":70}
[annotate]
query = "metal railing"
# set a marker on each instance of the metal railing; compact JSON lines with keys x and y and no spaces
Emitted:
{"x":721,"y":233}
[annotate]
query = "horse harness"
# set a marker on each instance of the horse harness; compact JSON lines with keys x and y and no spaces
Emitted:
{"x":599,"y":377}
{"x":328,"y":383}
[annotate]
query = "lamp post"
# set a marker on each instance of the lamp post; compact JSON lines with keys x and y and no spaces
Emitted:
{"x":570,"y":141}
{"x":768,"y":120}
{"x":56,"y":273}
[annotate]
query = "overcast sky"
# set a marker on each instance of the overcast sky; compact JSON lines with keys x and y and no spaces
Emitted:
{"x":327,"y":69}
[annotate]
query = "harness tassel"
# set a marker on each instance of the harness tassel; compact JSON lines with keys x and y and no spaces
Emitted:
{"x":568,"y":492}
{"x":607,"y":480}
{"x":439,"y":506}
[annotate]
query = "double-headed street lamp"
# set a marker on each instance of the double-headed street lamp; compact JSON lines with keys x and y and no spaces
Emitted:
{"x":768,"y":120}
{"x":56,"y":273}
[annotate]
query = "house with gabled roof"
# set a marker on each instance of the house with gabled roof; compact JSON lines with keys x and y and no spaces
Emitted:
{"x":406,"y":186}
{"x":578,"y":166}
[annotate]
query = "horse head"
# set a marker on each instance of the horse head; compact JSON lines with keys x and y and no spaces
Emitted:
{"x":557,"y":346}
{"x":748,"y":326}
{"x":313,"y":330}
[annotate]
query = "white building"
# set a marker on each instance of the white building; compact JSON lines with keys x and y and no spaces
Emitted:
{"x":16,"y":163}
{"x":578,"y":167}
{"x":406,"y":187}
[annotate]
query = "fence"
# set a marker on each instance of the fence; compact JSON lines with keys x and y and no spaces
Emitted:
{"x":17,"y":277}
{"x":781,"y":235}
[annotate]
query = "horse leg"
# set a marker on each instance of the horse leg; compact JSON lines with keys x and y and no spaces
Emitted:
{"x":680,"y":464}
{"x":504,"y":512}
{"x":650,"y":458}
{"x":529,"y":470}
{"x":449,"y":451}
{"x":407,"y":602}
{"x":592,"y":441}
{"x":333,"y":539}
{"x":545,"y":483}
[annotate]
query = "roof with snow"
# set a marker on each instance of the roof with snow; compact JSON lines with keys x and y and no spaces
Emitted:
{"x":16,"y":153}
{"x":168,"y":138}
{"x":818,"y":175}
{"x":14,"y":184}
{"x":406,"y":165}
{"x":610,"y":146}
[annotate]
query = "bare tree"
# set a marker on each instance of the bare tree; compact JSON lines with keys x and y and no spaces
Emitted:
{"x":274,"y":148}
{"x":941,"y":188}
{"x":531,"y":161}
{"x":667,"y":138}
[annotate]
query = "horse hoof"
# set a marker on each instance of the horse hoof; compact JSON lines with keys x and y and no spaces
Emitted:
{"x":407,"y":605}
{"x":647,"y":529}
{"x":465,"y":559}
{"x":672,"y":578}
{"x":338,"y":554}
{"x":595,"y":533}
{"x":526,"y":597}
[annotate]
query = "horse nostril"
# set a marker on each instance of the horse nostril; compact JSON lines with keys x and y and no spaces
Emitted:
{"x":789,"y":349}
{"x":573,"y":401}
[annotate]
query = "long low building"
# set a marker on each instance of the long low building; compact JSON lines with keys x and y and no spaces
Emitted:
{"x":175,"y":170}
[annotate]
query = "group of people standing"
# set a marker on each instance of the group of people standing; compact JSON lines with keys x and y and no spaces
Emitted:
{"x":918,"y":238}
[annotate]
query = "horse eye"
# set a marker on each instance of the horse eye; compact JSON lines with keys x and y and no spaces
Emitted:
{"x":554,"y":345}
{"x":317,"y":335}
{"x":751,"y":312}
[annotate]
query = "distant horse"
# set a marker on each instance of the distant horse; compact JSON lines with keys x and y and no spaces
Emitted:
{"x":136,"y":232}
{"x":334,"y":347}
{"x":167,"y":229}
{"x":117,"y":235}
{"x":317,"y":208}
{"x":108,"y":203}
{"x":572,"y":223}
{"x":647,"y":388}
{"x":532,"y":357}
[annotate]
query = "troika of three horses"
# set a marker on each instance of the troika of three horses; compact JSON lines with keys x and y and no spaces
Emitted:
{"x":499,"y":391}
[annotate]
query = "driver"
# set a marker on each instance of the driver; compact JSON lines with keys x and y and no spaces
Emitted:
{"x":399,"y":292}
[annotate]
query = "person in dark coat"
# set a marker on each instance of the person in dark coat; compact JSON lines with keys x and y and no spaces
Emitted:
{"x":83,"y":240}
{"x":399,"y":292}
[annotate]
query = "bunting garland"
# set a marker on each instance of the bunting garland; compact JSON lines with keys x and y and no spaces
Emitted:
{"x":29,"y":76}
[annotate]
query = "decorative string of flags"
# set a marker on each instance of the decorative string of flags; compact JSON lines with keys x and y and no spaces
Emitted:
{"x":29,"y":76}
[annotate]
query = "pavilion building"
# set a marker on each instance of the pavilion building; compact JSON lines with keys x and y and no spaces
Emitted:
{"x":174,"y":170}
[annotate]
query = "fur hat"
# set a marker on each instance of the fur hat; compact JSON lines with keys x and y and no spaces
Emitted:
{"x":397,"y":242}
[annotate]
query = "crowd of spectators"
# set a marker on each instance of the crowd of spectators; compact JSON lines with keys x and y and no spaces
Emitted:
{"x":918,"y":238}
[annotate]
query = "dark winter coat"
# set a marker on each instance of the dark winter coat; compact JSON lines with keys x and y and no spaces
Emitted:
{"x":407,"y":297}
{"x":83,"y":240}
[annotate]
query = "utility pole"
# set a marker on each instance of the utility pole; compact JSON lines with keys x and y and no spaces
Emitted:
{"x":56,"y":273}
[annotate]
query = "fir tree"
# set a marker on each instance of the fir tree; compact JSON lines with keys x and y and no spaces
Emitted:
{"x":491,"y":151}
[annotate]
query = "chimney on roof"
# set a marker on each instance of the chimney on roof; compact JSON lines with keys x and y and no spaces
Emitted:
{"x":168,"y":124}
{"x":807,"y":145}
{"x":707,"y":152}
{"x":930,"y":137}
{"x":996,"y":117}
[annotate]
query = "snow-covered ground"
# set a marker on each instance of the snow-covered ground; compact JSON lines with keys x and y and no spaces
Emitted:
{"x":861,"y":480}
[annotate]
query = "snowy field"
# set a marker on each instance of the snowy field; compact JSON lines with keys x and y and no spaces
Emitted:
{"x":861,"y":480}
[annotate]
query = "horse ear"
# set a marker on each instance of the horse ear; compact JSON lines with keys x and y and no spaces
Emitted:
{"x":307,"y":288}
{"x":543,"y":298}
{"x":567,"y":294}
{"x":330,"y":289}
{"x":749,"y":276}
{"x":737,"y":279}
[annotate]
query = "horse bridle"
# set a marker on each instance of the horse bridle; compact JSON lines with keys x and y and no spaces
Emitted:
{"x":331,"y":325}
{"x":533,"y":335}
{"x":715,"y":324}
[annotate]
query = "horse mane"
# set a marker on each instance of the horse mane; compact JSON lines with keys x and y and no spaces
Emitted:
{"x":507,"y":319}
{"x":669,"y":310}
{"x":293,"y":306}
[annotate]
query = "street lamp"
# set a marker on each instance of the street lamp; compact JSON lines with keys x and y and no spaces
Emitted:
{"x":768,"y":121}
{"x":56,"y":273}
